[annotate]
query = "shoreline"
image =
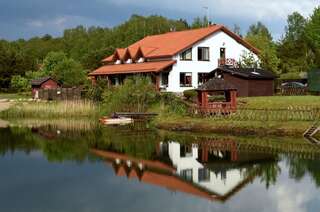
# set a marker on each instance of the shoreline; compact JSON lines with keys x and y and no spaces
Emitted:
{"x":236,"y":128}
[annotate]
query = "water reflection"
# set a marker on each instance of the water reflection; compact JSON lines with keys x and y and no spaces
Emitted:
{"x":213,"y":169}
{"x":208,"y":167}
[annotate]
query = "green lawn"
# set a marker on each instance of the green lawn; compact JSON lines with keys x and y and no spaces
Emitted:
{"x":289,"y":122}
{"x":279,"y":102}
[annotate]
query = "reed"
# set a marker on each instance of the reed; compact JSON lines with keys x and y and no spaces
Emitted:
{"x":61,"y":109}
{"x":69,"y":124}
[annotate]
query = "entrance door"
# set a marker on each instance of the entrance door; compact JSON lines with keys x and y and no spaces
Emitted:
{"x":223,"y":53}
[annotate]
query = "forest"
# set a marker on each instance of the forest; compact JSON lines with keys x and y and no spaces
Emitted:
{"x":79,"y":50}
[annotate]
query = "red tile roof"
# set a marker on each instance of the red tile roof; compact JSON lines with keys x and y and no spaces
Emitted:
{"x":169,"y":44}
{"x":133,"y":68}
{"x":108,"y":59}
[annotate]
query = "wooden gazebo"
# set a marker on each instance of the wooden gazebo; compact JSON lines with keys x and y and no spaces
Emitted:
{"x":211,"y":88}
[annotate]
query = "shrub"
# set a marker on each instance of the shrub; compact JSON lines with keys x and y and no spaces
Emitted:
{"x":190,"y":94}
{"x":174,"y":104}
{"x":135,"y":95}
{"x":95,"y":92}
{"x":19,"y":83}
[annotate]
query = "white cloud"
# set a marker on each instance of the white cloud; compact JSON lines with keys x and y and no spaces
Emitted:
{"x":291,"y":199}
{"x":56,"y":22}
{"x":251,"y":9}
{"x":36,"y":23}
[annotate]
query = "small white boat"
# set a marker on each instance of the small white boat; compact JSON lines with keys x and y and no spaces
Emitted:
{"x":116,"y":121}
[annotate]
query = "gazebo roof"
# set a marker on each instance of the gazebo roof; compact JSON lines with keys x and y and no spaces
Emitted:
{"x":216,"y":85}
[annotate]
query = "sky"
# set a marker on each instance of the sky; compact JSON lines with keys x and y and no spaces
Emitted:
{"x":28,"y":18}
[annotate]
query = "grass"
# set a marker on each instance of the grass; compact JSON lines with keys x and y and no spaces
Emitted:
{"x":276,"y":115}
{"x":15,"y":96}
{"x":62,"y":109}
{"x":70,"y":124}
{"x":280,"y":102}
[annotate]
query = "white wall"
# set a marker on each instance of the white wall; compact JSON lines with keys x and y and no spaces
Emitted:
{"x":214,"y":42}
{"x":216,"y":183}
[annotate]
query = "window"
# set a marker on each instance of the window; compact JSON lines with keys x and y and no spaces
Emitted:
{"x":202,"y":78}
{"x":185,"y":151}
{"x":186,"y":55}
{"x":203,"y":175}
{"x":203,"y":53}
{"x":186,"y":174}
{"x":186,"y":79}
{"x":164,"y":79}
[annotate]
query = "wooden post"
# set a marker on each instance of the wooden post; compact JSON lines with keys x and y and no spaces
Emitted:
{"x":158,"y":82}
{"x":233,"y":95}
{"x":109,"y":81}
{"x":204,"y":153}
{"x":199,"y":98}
{"x":205,"y":99}
{"x":93,"y":80}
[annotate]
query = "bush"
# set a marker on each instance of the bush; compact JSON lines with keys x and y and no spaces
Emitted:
{"x":95,"y":92}
{"x":174,"y":104}
{"x":135,"y":95}
{"x":190,"y":94}
{"x":19,"y":83}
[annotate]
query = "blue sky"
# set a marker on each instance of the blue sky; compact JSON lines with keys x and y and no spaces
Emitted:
{"x":27,"y":18}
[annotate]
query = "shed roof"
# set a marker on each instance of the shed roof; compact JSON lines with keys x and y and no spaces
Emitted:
{"x":217,"y":85}
{"x":40,"y":81}
{"x":248,"y":73}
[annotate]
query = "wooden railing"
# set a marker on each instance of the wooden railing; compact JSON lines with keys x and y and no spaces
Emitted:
{"x":293,"y":91}
{"x":216,"y":107}
{"x":227,"y":62}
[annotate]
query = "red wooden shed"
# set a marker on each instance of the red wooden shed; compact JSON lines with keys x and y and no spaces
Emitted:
{"x":43,"y":83}
{"x":217,"y":96}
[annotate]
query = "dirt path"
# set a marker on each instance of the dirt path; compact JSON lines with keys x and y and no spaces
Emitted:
{"x":4,"y":105}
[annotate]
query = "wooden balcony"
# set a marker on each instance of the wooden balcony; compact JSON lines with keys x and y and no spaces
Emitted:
{"x":228,"y":62}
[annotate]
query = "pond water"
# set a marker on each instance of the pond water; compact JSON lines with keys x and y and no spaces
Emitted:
{"x":63,"y":168}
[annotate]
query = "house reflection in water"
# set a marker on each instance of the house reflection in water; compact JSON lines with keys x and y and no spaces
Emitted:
{"x":214,"y":170}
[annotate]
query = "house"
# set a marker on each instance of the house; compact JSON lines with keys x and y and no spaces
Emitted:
{"x":247,"y":81}
{"x":213,"y":169}
{"x":176,"y":61}
{"x":43,"y":83}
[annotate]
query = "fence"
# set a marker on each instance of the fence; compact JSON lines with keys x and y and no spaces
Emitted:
{"x":60,"y":94}
{"x":293,"y":91}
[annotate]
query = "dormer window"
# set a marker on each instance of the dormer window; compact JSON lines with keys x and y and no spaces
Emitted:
{"x":186,"y":55}
{"x":118,"y":62}
{"x":141,"y":60}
